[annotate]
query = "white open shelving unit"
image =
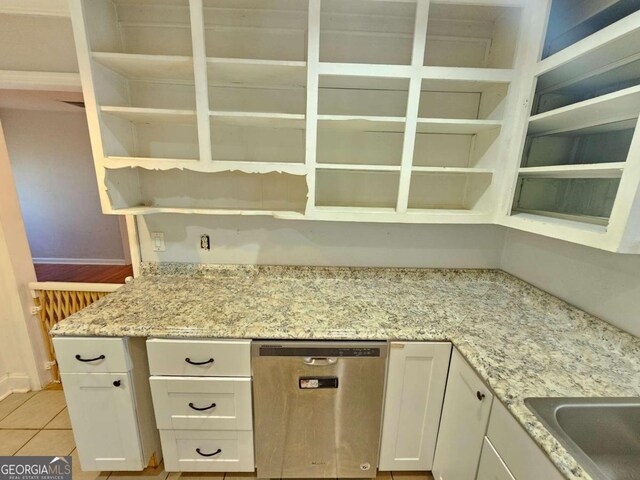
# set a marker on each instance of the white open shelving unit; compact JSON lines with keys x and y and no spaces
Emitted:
{"x":579,"y":172}
{"x":415,"y":111}
{"x":366,"y":110}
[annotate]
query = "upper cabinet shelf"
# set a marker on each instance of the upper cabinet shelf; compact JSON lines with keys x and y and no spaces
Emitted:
{"x":580,"y":168}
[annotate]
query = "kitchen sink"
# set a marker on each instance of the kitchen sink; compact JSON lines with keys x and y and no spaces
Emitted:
{"x":602,"y":434}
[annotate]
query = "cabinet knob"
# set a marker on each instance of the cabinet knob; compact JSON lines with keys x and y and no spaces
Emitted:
{"x":117,"y":383}
{"x":480,"y":395}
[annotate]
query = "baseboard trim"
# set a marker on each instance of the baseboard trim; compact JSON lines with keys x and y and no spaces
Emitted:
{"x":19,"y":383}
{"x":5,"y":389}
{"x":80,"y":261}
{"x":14,"y":383}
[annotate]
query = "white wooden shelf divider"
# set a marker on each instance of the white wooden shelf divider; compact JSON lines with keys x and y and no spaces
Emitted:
{"x":594,"y":170}
{"x":456,"y":170}
{"x":456,"y":126}
{"x":613,"y":107}
{"x":151,"y":115}
{"x":140,"y":66}
{"x":364,"y":123}
{"x":274,"y":120}
{"x":352,"y":166}
{"x":240,"y":71}
{"x":212,"y":167}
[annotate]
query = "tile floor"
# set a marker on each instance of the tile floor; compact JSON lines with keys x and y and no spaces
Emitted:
{"x":38,"y":424}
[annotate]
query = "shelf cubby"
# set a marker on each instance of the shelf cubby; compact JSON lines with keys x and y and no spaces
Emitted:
{"x":140,"y":27}
{"x":572,"y":21}
{"x":471,"y":35}
{"x":456,"y":150}
{"x":256,"y":30}
{"x":617,"y":106}
{"x":604,"y":50}
{"x":349,"y":146}
{"x":448,"y":191}
{"x":588,"y":200}
{"x":608,"y":143}
{"x":362,"y":96}
{"x":149,"y":133}
{"x":367,"y":31}
{"x":252,"y":141}
{"x":356,"y":188}
{"x":471,"y":100}
{"x":186,"y":190}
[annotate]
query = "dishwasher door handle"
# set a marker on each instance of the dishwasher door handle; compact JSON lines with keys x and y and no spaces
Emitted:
{"x":319,"y":361}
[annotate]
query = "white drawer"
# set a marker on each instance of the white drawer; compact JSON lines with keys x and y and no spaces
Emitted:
{"x":92,"y":354}
{"x":211,"y":358}
{"x":232,"y":451}
{"x":188,"y":403}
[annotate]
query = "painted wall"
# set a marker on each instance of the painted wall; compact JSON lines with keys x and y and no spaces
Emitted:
{"x":35,"y":42}
{"x":21,"y":342}
{"x":53,"y":169}
{"x":604,"y":284}
{"x":264,"y":240}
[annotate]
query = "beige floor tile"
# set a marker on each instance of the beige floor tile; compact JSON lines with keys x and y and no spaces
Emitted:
{"x":383,"y":476}
{"x":157,"y":473}
{"x":196,"y":475}
{"x":238,"y":476}
{"x":12,"y":402}
{"x":12,"y":440}
{"x":78,"y":474}
{"x":36,"y":412}
{"x":60,"y":421}
{"x":412,"y":476}
{"x":49,"y":442}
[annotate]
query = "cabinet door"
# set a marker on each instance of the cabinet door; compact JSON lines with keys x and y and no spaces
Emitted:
{"x":415,"y":389}
{"x":491,"y":465}
{"x":103,"y":416}
{"x":465,"y":414}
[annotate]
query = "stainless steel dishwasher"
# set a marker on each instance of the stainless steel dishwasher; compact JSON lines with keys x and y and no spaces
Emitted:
{"x":318,"y":408}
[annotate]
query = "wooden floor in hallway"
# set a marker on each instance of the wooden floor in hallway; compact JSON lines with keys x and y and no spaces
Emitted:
{"x":48,"y":272}
{"x":38,"y":424}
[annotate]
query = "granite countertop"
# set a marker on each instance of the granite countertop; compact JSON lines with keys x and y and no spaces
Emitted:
{"x":522,"y":341}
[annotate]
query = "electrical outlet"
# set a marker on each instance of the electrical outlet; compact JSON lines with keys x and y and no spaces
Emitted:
{"x":205,"y":242}
{"x":158,"y":241}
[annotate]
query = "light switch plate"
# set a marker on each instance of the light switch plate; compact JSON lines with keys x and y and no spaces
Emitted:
{"x":158,"y":241}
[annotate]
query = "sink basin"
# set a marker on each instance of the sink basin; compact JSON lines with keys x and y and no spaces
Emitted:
{"x":602,"y":434}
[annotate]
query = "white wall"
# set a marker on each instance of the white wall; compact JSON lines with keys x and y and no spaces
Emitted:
{"x":21,"y":341}
{"x":604,"y":284}
{"x":53,"y":168}
{"x":264,"y":240}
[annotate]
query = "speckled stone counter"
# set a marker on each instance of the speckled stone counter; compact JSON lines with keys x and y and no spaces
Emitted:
{"x":521,"y":341}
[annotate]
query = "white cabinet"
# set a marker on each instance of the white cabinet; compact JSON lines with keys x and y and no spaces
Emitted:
{"x":106,"y":386}
{"x":465,"y":415}
{"x":203,"y":404}
{"x":491,"y":465}
{"x":102,"y":411}
{"x":524,"y":458}
{"x":416,"y":381}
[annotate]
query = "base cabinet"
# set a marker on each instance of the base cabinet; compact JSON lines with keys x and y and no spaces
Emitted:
{"x":465,"y":415}
{"x":104,"y":403}
{"x":491,"y":465}
{"x":106,"y":386}
{"x":416,"y":380}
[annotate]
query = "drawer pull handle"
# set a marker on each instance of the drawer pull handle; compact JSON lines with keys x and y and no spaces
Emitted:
{"x":213,"y":405}
{"x":208,"y":454}
{"x":80,"y":359}
{"x":188,"y":360}
{"x":117,"y":383}
{"x":480,"y":395}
